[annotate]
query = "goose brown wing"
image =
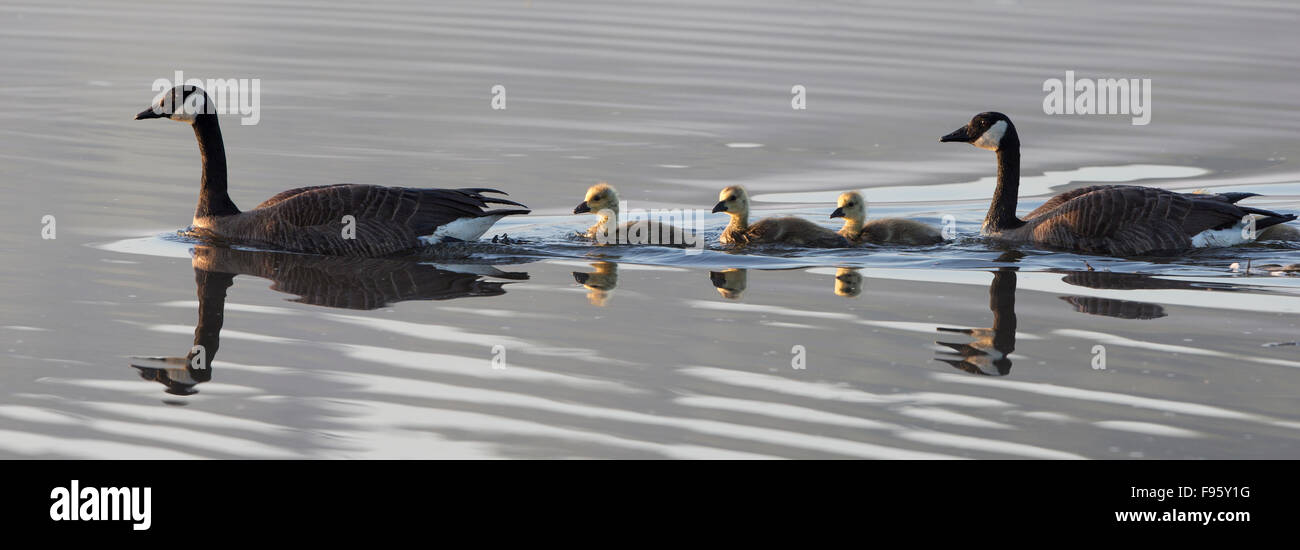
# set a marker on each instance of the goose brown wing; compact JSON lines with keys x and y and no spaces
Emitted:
{"x":1062,"y":198}
{"x":419,"y":210}
{"x":1119,"y":220}
{"x":387,"y":219}
{"x":1065,"y":197}
{"x":281,"y":196}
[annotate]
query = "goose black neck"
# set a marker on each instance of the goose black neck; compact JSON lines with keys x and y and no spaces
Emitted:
{"x":1002,"y":213}
{"x":214,"y":200}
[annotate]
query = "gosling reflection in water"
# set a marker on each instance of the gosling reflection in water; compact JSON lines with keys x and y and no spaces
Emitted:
{"x":848,"y":282}
{"x":600,"y":283}
{"x":730,"y":283}
{"x":990,"y":353}
{"x":329,"y":281}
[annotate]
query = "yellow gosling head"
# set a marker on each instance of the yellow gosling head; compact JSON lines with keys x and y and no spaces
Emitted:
{"x":601,"y":196}
{"x":851,"y":206}
{"x":734,"y":201}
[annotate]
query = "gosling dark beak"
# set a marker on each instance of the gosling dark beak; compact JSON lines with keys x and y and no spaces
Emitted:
{"x":148,"y":113}
{"x":838,"y":213}
{"x":581,"y":277}
{"x":581,"y":208}
{"x":961,"y":134}
{"x":718,"y":279}
{"x":720,"y":207}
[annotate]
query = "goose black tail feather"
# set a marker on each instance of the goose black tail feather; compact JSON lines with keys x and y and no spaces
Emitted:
{"x":506,"y":211}
{"x":491,"y":200}
{"x":1236,"y":196}
{"x":477,"y":190}
{"x":476,"y":193}
{"x":1273,"y":220}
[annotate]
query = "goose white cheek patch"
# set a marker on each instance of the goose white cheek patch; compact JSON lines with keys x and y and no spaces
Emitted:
{"x":992,"y":137}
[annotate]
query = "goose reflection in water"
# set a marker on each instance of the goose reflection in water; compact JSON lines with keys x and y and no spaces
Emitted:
{"x":329,"y":281}
{"x":989,"y":353}
{"x":600,"y":283}
{"x":1121,"y":309}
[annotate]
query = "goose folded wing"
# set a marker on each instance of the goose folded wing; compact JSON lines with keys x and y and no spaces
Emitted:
{"x":1118,"y":220}
{"x":416,"y":210}
{"x":1055,"y":202}
{"x":286,"y":194}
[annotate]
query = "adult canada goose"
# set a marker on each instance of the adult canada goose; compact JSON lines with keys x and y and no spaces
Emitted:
{"x":602,"y":200}
{"x":788,"y":230}
{"x":852,"y":207}
{"x":1119,"y":220}
{"x":340,"y":219}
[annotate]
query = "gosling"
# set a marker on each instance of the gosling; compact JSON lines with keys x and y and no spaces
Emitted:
{"x":1280,"y":232}
{"x":788,"y":230}
{"x":602,"y":200}
{"x":852,"y":208}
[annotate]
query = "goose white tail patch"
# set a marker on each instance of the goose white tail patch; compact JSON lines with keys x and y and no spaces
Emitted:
{"x":1223,"y":237}
{"x":992,"y":137}
{"x":463,"y":229}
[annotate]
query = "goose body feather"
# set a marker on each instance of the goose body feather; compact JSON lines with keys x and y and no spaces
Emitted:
{"x":1127,"y":220}
{"x":387,"y":220}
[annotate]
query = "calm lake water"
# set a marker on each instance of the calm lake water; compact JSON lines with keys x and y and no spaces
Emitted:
{"x":961,"y":350}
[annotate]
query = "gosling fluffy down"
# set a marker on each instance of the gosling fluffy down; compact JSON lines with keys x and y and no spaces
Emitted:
{"x":603,"y":201}
{"x":857,"y":230}
{"x":788,"y":230}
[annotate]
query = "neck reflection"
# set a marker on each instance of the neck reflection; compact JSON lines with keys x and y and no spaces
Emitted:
{"x":327,"y":281}
{"x":989,"y":353}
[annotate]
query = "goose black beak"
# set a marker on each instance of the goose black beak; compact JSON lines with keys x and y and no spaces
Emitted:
{"x":148,"y":113}
{"x":720,"y":207}
{"x":581,"y":208}
{"x":961,"y":134}
{"x":838,"y":213}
